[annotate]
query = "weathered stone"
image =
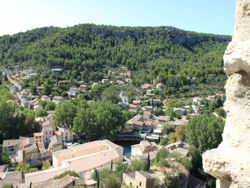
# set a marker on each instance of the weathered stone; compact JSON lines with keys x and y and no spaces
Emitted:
{"x":230,"y":162}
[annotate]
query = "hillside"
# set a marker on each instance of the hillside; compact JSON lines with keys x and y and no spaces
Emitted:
{"x":163,"y":54}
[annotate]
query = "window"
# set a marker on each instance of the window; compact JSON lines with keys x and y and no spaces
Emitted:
{"x":140,"y":184}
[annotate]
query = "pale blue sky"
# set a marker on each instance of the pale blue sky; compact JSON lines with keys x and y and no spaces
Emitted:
{"x":207,"y":16}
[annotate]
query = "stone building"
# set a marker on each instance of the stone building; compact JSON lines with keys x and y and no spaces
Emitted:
{"x":139,"y":179}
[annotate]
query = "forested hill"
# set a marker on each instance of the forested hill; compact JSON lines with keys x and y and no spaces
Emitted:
{"x":151,"y":52}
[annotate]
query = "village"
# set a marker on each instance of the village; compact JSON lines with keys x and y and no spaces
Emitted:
{"x":61,"y":148}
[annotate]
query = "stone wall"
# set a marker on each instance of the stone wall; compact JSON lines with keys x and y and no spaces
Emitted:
{"x":230,"y":162}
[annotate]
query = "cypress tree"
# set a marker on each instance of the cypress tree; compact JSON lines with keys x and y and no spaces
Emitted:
{"x":148,"y":163}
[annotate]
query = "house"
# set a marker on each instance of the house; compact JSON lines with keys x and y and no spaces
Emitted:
{"x":146,"y":86}
{"x":105,"y":81}
{"x":197,"y":100}
{"x":133,"y":107}
{"x":143,"y":149}
{"x":161,"y":120}
{"x":40,"y":88}
{"x":211,"y":98}
{"x":25,"y":93}
{"x":146,"y":115}
{"x":160,"y":86}
{"x":58,"y":99}
{"x":94,"y":84}
{"x":94,"y":155}
{"x":149,"y":92}
{"x":180,"y":110}
{"x":66,"y":135}
{"x":35,"y":154}
{"x":13,"y":89}
{"x":55,"y":143}
{"x":73,"y":92}
{"x":196,"y":109}
{"x":36,"y":108}
{"x":11,"y":146}
{"x":84,"y":88}
{"x":25,"y":103}
{"x":148,"y":108}
{"x":137,"y":102}
{"x":45,"y":98}
{"x":135,"y":123}
{"x":138,"y":179}
{"x":44,"y":136}
{"x":119,"y":82}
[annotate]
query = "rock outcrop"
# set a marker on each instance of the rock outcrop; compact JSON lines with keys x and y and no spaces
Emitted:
{"x":230,"y":162}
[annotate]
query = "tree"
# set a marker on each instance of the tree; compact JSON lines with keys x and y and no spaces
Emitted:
{"x":111,"y":165}
{"x":162,"y":154}
{"x":102,"y":119}
{"x":41,"y":113}
{"x":4,"y":158}
{"x":46,"y":165}
{"x":110,"y":94}
{"x":148,"y":163}
{"x":33,"y":89}
{"x":185,"y":161}
{"x":65,"y":113}
{"x":98,"y":180}
{"x":167,"y":128}
{"x":178,"y":135}
{"x":204,"y":132}
{"x":51,"y":106}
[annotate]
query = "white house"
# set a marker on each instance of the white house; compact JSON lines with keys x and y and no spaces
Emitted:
{"x":58,"y":99}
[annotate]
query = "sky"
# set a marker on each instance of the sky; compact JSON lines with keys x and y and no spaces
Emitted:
{"x":206,"y":16}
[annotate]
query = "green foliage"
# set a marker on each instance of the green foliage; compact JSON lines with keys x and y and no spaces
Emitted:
{"x":50,"y":106}
{"x":46,"y":165}
{"x":167,"y":128}
{"x":5,"y":95}
{"x":65,"y":113}
{"x":221,"y":112}
{"x":162,"y":154}
{"x":185,"y":161}
{"x":19,"y":167}
{"x":7,"y":186}
{"x":101,"y":119}
{"x":148,"y":163}
{"x":33,"y":89}
{"x":110,"y":179}
{"x":163,"y":163}
{"x":163,"y":141}
{"x":204,"y":132}
{"x":138,"y":165}
{"x":110,"y":94}
{"x":85,"y":51}
{"x":159,"y":112}
{"x":4,"y":158}
{"x":41,"y":113}
{"x":178,"y":135}
{"x":70,"y":173}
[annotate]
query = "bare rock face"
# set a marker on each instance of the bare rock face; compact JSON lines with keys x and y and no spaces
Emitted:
{"x":230,"y":162}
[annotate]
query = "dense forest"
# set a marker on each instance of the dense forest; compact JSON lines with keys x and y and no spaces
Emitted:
{"x":87,"y":51}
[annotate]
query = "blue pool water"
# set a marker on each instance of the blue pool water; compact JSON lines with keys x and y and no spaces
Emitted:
{"x":127,"y":151}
